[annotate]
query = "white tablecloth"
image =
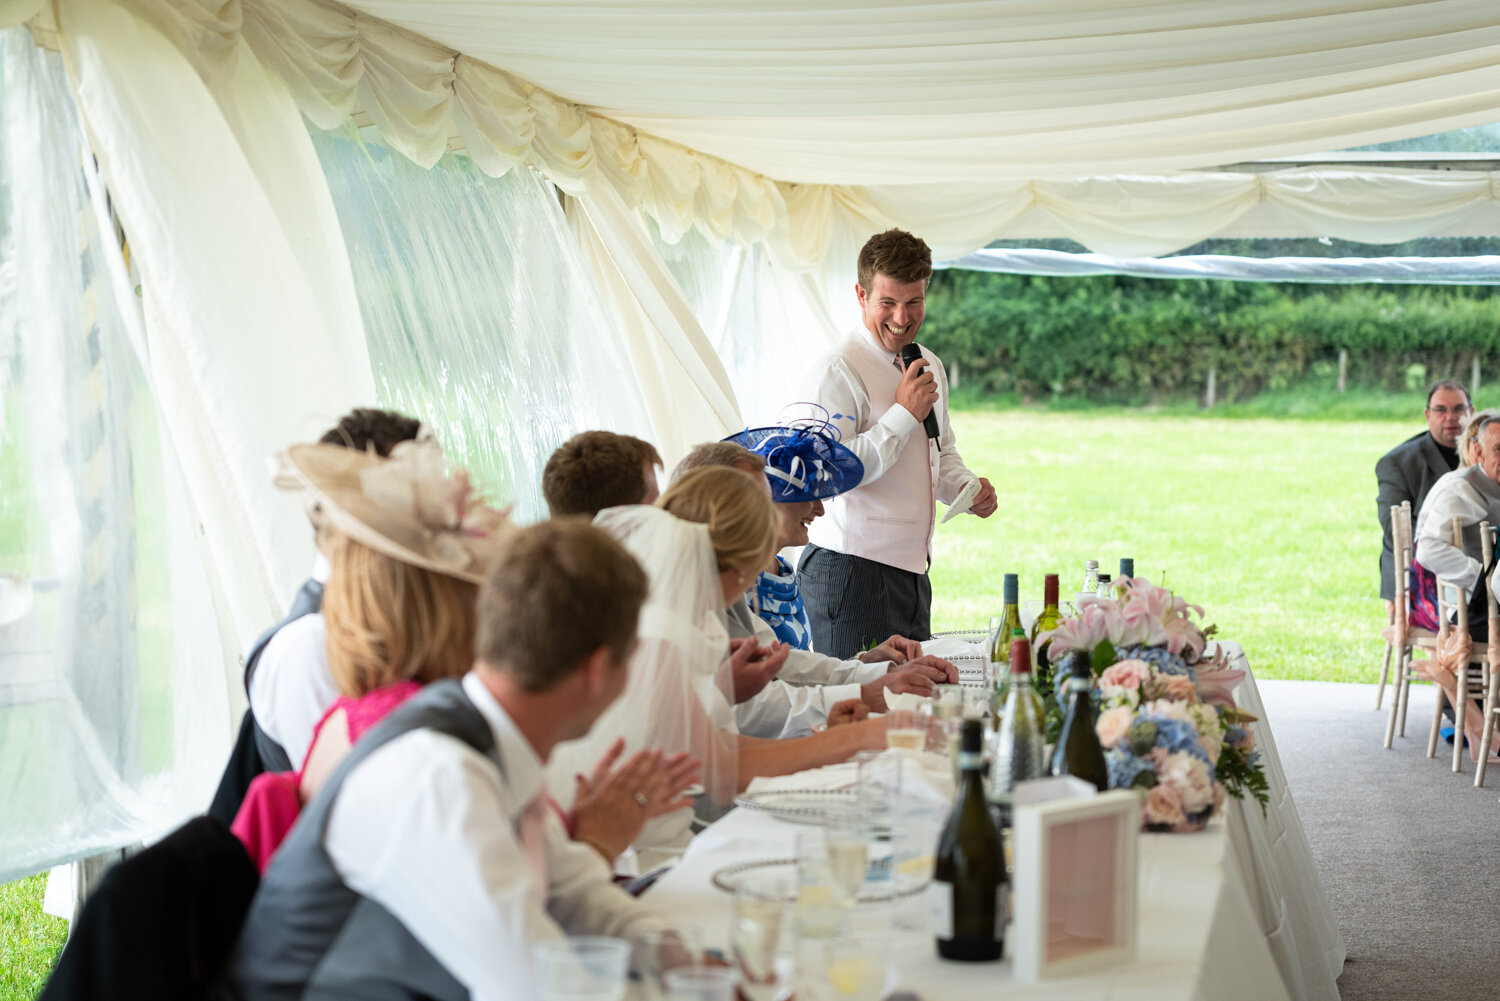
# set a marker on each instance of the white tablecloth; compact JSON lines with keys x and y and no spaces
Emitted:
{"x":1235,"y":912}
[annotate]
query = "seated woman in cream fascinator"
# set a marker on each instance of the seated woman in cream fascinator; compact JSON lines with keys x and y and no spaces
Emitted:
{"x":712,"y":532}
{"x":410,"y":542}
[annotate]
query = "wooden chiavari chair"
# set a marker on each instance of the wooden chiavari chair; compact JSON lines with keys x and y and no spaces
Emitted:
{"x":1472,"y":678}
{"x":1406,"y":637}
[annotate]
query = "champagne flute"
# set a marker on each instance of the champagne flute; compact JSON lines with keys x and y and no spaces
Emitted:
{"x":757,"y":936}
{"x":846,"y":834}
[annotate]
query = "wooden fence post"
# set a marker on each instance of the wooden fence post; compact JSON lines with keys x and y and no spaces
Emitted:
{"x":1343,"y":367}
{"x":1474,"y":375}
{"x":1208,"y":394}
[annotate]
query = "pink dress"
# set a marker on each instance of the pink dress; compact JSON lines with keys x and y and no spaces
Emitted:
{"x":272,"y":802}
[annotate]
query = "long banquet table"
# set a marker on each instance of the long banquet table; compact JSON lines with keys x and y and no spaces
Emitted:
{"x":1235,"y":912}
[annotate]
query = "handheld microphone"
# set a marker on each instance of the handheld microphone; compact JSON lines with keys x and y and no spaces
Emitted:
{"x":909,"y":354}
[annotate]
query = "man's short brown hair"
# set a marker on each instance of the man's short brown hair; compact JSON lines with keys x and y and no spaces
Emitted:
{"x":595,"y":470}
{"x":559,"y":591}
{"x":898,"y":255}
{"x":717,"y":453}
{"x":364,"y":428}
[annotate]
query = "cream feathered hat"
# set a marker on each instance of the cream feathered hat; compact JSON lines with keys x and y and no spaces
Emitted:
{"x":409,"y":507}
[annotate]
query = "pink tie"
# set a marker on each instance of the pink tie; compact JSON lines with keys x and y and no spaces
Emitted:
{"x":533,"y":840}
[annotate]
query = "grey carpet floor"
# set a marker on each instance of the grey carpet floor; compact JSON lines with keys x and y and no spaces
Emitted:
{"x":1407,"y":849}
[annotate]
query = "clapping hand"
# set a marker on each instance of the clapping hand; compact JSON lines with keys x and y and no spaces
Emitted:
{"x":752,"y":666}
{"x":611,"y":805}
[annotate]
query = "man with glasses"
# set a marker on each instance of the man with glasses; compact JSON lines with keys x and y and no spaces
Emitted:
{"x":1408,"y":471}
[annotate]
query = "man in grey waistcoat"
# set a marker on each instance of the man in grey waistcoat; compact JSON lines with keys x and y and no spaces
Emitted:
{"x":1408,"y":471}
{"x":431,"y":862}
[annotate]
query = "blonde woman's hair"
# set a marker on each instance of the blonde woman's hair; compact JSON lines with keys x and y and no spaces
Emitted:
{"x":389,"y":621}
{"x":1470,"y":434}
{"x":737,"y":510}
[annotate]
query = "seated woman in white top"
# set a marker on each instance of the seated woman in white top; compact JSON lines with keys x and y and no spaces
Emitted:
{"x":678,"y":694}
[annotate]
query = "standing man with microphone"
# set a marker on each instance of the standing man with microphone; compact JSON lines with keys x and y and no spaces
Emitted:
{"x":864,"y":575}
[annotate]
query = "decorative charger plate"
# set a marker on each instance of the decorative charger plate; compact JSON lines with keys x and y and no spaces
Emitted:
{"x":875,"y":891}
{"x":798,"y":806}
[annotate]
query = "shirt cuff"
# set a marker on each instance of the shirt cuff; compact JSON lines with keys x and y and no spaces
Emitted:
{"x":838,"y":693}
{"x":899,"y":421}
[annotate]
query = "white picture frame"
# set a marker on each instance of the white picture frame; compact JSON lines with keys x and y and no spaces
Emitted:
{"x":1076,"y":902}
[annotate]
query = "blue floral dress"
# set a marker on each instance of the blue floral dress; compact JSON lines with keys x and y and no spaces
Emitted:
{"x":779,"y":603}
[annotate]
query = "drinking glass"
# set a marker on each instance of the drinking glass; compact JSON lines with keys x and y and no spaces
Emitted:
{"x":906,"y":730}
{"x":583,"y":968}
{"x":916,"y":826}
{"x":700,"y":983}
{"x":818,"y":912}
{"x":846,"y":837}
{"x":852,"y":970}
{"x":660,"y":951}
{"x":758,"y":938}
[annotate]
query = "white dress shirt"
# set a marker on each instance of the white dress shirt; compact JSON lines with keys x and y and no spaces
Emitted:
{"x":783,"y":710}
{"x":835,"y":384}
{"x":292,"y":686}
{"x":427,"y":827}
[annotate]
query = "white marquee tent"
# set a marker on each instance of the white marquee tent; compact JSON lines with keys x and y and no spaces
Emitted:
{"x":653,"y":207}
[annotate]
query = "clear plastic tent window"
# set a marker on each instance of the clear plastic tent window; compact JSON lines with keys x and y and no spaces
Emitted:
{"x":481,"y":317}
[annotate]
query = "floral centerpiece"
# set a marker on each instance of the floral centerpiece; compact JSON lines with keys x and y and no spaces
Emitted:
{"x":1167,"y":720}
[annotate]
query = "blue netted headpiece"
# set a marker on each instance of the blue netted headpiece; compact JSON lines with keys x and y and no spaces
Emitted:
{"x":804,"y":461}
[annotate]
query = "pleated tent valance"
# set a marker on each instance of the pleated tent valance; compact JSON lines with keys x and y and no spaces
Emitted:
{"x":1237,"y":81}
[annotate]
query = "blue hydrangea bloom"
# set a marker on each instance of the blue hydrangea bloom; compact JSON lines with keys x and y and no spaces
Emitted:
{"x":1158,"y":657}
{"x":1124,"y":768}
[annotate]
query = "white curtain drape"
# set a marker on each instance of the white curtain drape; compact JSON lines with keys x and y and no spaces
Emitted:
{"x":482,"y":317}
{"x":686,"y":389}
{"x":253,"y":336}
{"x":114,"y":712}
{"x":984,"y":122}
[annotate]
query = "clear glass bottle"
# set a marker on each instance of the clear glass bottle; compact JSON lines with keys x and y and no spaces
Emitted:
{"x":1090,"y":577}
{"x":1106,"y":586}
{"x":1018,"y":750}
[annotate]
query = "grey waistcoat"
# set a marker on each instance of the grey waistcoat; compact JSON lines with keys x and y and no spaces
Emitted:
{"x":307,"y":934}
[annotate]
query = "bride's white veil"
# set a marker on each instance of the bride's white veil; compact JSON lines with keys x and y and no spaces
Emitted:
{"x":678,"y":696}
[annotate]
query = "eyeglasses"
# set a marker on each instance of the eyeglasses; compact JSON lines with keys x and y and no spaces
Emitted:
{"x":1445,"y":411}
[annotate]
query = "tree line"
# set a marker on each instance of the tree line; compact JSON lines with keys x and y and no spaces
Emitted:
{"x":1139,"y":340}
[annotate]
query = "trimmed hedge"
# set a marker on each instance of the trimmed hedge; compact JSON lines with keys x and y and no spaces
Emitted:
{"x":1139,"y":340}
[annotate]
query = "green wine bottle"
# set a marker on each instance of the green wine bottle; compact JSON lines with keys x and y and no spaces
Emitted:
{"x":1078,"y":751}
{"x":969,"y":886}
{"x":1000,"y":637}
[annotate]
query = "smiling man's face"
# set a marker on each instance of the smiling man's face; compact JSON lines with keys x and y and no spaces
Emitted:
{"x":892,"y":311}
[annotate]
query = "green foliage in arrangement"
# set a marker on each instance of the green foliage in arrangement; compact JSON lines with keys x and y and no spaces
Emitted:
{"x":1149,"y":341}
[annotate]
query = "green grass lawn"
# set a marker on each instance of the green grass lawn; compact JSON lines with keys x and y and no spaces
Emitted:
{"x":1268,"y":524}
{"x":29,"y":939}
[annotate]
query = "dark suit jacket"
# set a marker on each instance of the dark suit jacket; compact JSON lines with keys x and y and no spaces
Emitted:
{"x":1405,"y":473}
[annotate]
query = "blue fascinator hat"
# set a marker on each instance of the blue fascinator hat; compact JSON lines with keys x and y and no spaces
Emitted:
{"x":804,"y":461}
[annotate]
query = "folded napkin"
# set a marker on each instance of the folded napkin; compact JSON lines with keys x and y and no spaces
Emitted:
{"x":840,"y":776}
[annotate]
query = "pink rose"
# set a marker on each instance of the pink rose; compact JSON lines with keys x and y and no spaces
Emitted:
{"x":1113,"y":725}
{"x":1164,"y":806}
{"x":1125,"y":674}
{"x":1188,"y":774}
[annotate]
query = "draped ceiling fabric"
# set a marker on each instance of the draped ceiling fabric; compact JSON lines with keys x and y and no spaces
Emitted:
{"x":964,"y":122}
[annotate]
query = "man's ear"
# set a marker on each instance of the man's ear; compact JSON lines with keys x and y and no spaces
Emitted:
{"x":859,"y":292}
{"x":596,"y":671}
